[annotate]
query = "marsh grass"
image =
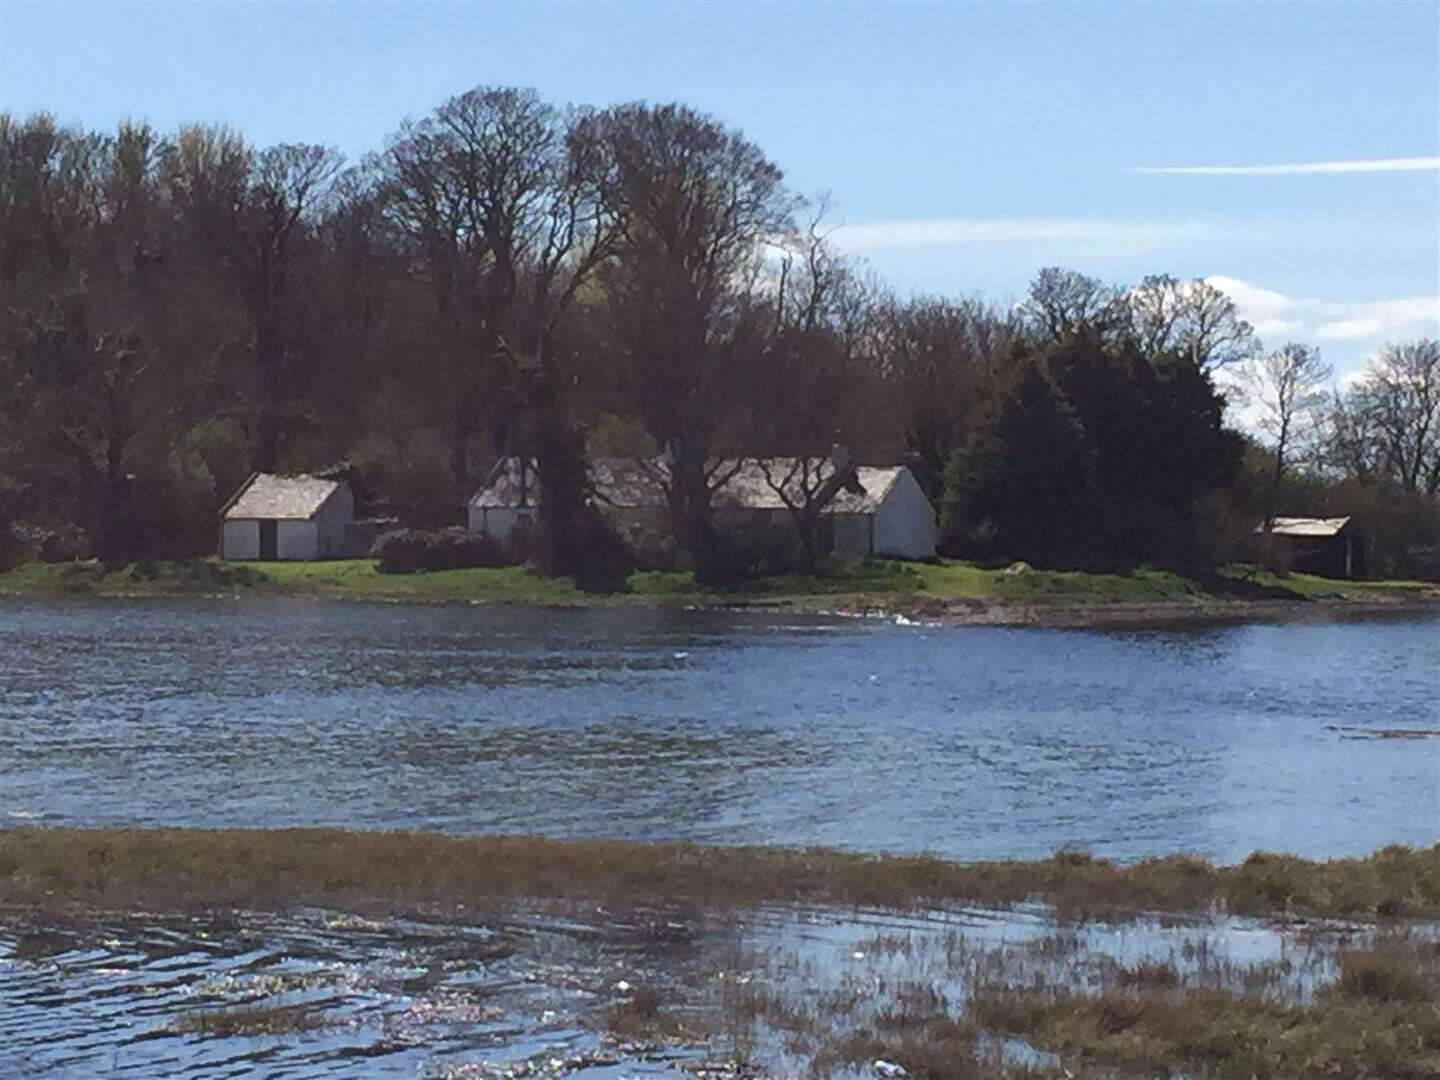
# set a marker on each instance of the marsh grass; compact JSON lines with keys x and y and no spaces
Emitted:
{"x":825,"y":991}
{"x":171,"y":869}
{"x":249,"y":1020}
{"x":1213,"y":1033}
{"x":1366,"y":1010}
{"x":649,"y":1013}
{"x":1397,"y":968}
{"x":40,"y":945}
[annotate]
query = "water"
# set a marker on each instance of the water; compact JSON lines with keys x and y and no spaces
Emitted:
{"x":719,"y":727}
{"x":724,"y":728}
{"x":534,"y":993}
{"x":152,"y":997}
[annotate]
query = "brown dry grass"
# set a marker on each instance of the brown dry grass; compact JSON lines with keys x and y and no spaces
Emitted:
{"x":274,"y":868}
{"x":1215,"y":1033}
{"x":1377,"y":1015}
{"x":648,"y":1013}
{"x":248,"y":1020}
{"x":1396,"y":969}
{"x":936,"y":1047}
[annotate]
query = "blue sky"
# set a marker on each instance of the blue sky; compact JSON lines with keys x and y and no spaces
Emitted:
{"x":964,"y":145}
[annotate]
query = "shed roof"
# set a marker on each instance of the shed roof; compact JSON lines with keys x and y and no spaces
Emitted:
{"x":268,"y":496}
{"x":1319,"y":527}
{"x":635,"y":483}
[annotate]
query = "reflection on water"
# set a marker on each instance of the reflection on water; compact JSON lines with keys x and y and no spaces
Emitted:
{"x":973,"y":743}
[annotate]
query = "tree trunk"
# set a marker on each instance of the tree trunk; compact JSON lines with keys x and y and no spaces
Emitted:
{"x":269,"y":356}
{"x":115,"y":526}
{"x":689,"y":498}
{"x":1272,"y":494}
{"x":575,"y":540}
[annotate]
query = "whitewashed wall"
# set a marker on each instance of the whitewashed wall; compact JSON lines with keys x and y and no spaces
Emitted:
{"x":499,"y":521}
{"x":337,"y":512}
{"x":297,"y":540}
{"x":905,"y":521}
{"x":240,"y":540}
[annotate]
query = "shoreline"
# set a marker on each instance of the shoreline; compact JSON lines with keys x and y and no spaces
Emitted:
{"x":1161,"y":614}
{"x":1058,"y":611}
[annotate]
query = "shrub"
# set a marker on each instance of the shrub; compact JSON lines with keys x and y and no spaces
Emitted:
{"x":605,"y":559}
{"x":406,"y":551}
{"x":12,"y":551}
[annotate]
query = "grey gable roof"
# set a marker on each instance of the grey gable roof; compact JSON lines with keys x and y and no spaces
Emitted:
{"x":1293,"y":526}
{"x":270,"y":497}
{"x":635,"y":483}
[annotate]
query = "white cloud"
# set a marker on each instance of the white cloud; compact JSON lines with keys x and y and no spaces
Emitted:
{"x":1273,"y":314}
{"x":1417,"y":315}
{"x":1351,"y":378}
{"x":1350,"y":332}
{"x":965,"y":232}
{"x":1350,"y":329}
{"x":1372,"y":165}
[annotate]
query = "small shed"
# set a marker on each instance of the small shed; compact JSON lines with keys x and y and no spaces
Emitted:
{"x":287,"y":517}
{"x":1330,"y":547}
{"x":889,"y":514}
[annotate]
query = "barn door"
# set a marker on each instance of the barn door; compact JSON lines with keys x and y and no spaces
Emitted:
{"x":268,"y":533}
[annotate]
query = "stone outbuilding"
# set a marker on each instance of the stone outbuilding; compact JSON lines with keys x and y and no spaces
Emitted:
{"x":288,"y":517}
{"x":887,"y":514}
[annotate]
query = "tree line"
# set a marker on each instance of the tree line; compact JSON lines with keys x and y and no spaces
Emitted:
{"x":506,"y":276}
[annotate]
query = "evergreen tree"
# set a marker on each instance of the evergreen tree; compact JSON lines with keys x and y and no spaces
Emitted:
{"x":1024,"y":481}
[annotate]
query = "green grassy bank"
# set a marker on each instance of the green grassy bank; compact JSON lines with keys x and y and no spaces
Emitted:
{"x":944,"y":588}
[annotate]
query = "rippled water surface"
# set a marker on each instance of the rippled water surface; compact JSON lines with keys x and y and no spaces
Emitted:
{"x":969,"y":742}
{"x":317,"y":994}
{"x":587,"y":992}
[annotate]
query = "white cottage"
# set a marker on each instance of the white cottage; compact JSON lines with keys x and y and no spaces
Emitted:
{"x":889,"y":514}
{"x":287,"y":517}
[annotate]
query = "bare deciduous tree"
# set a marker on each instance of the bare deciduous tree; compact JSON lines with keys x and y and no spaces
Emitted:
{"x":807,"y":486}
{"x":87,"y":342}
{"x":1288,"y":387}
{"x":1190,"y":317}
{"x":249,"y":208}
{"x":1063,"y":302}
{"x":499,"y":192}
{"x":940,"y":356}
{"x":694,"y":204}
{"x":1390,"y":418}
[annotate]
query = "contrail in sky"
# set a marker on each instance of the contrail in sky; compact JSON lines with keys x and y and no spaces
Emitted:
{"x":1372,"y":165}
